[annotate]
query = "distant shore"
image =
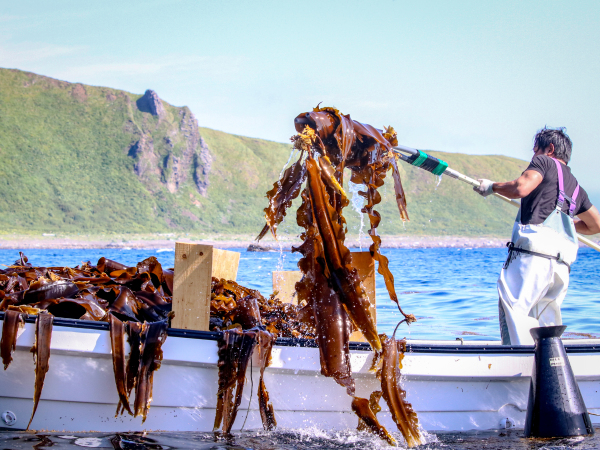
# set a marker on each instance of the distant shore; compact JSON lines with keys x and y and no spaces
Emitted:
{"x":164,"y":241}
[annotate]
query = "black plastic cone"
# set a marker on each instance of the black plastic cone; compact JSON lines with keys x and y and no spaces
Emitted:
{"x":556,"y":408}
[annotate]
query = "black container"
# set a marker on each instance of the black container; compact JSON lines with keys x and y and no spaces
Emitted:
{"x":556,"y":408}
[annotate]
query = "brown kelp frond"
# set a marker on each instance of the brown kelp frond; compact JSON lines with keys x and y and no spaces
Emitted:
{"x":333,"y":333}
{"x":134,"y":338}
{"x":117,"y":344}
{"x":367,"y":419}
{"x":41,"y":356}
{"x":152,"y":337}
{"x":343,"y":276}
{"x":12,"y":321}
{"x":235,"y":351}
{"x":264,"y":345}
{"x":395,"y":397}
{"x":282,"y":194}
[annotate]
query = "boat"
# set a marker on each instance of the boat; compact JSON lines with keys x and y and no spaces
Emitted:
{"x":453,"y":385}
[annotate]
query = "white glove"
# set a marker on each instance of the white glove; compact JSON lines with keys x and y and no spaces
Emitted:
{"x":485,"y":188}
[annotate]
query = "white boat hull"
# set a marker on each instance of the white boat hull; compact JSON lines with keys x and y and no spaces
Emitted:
{"x":452,"y":387}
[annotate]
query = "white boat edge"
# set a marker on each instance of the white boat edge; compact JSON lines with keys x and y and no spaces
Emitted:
{"x":452,"y":385}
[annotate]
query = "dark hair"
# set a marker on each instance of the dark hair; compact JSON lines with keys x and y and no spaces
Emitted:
{"x":558,"y":137}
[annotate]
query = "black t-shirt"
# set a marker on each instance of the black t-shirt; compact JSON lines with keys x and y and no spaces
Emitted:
{"x":538,"y":205}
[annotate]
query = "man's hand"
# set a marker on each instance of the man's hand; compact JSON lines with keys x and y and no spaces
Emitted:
{"x":485,"y":187}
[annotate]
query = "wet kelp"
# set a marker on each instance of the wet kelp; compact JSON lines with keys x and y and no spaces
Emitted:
{"x":145,"y":357}
{"x":134,"y":300}
{"x":12,"y":320}
{"x":395,"y":397}
{"x":41,"y":356}
{"x":235,"y":306}
{"x":236,"y":348}
{"x":330,"y":292}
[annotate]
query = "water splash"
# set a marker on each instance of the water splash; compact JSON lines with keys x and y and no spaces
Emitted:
{"x":293,"y":152}
{"x":281,"y":260}
{"x":357,"y":203}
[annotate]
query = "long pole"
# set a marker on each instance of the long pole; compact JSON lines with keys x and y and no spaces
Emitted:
{"x":400,"y":149}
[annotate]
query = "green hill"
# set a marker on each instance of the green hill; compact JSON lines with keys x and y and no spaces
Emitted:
{"x":94,"y":160}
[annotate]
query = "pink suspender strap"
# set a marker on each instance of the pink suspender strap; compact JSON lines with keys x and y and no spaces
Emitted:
{"x":562,"y":196}
{"x":573,"y":204}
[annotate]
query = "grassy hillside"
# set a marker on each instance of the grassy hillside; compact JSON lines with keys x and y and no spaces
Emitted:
{"x":83,"y":159}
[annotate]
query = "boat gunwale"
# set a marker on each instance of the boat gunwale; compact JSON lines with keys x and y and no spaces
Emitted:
{"x":452,"y":347}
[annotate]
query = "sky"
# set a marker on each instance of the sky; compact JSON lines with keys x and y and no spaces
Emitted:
{"x":475,"y":77}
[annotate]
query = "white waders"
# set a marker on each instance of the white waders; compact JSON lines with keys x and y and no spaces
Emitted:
{"x":534,"y":280}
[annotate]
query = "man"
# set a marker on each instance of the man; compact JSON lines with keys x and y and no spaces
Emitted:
{"x":535,"y":277}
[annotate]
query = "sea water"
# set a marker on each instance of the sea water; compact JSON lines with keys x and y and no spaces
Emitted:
{"x":451,"y":291}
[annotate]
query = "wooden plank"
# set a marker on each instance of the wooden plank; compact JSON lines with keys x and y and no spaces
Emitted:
{"x":195,"y":265}
{"x":225,"y":264}
{"x":191,"y":286}
{"x":284,"y":282}
{"x":365,"y":266}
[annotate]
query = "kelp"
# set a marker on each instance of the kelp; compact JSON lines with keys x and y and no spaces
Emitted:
{"x":330,"y":293}
{"x":235,"y":306}
{"x":88,"y":292}
{"x":12,"y":320}
{"x":41,"y":356}
{"x":235,"y":352}
{"x":366,"y":412}
{"x":117,"y":345}
{"x":145,"y":357}
{"x":280,"y":197}
{"x":264,"y":345}
{"x":134,"y":332}
{"x":395,"y":397}
{"x":134,"y":299}
{"x":152,"y":337}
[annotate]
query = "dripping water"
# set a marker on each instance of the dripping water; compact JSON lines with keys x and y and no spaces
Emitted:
{"x":357,"y":204}
{"x":293,"y":152}
{"x":281,"y":260}
{"x":438,"y":181}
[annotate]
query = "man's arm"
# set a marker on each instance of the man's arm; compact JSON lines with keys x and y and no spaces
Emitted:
{"x":521,"y":187}
{"x":589,"y":223}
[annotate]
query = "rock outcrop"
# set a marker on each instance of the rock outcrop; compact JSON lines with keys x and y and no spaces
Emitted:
{"x":173,"y":158}
{"x":146,"y":160}
{"x":151,"y":103}
{"x":202,"y":165}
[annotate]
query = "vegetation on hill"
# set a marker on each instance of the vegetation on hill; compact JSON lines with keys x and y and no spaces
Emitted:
{"x":84,"y":159}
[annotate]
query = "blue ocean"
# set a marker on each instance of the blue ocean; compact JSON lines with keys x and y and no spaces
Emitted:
{"x":451,"y":291}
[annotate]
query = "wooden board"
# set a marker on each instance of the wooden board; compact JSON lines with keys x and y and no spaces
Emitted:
{"x":225,"y":264}
{"x":285,"y":283}
{"x":365,"y":266}
{"x":195,"y":265}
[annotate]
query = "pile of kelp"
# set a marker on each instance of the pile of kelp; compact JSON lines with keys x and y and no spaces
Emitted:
{"x":136,"y":302}
{"x":330,"y":292}
{"x":235,"y":306}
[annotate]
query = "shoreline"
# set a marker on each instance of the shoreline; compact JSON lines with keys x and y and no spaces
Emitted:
{"x":24,"y":242}
{"x":17,"y":242}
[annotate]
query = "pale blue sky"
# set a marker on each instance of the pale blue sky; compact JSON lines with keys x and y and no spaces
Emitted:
{"x":476,"y":77}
